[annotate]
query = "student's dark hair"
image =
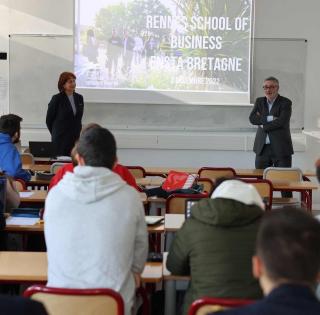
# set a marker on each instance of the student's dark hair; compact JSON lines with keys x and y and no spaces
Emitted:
{"x":10,"y":124}
{"x":274,"y":79}
{"x":97,"y":146}
{"x":288,"y":243}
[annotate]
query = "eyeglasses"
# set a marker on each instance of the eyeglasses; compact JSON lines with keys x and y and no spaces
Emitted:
{"x":269,"y":87}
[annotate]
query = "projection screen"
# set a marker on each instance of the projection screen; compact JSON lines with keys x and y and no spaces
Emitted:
{"x":164,"y":51}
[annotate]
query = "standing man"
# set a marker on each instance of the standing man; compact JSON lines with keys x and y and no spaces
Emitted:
{"x":113,"y":53}
{"x":271,"y":113}
{"x":127,"y":52}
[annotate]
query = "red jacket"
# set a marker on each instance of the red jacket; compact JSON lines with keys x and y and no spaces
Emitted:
{"x":119,"y":169}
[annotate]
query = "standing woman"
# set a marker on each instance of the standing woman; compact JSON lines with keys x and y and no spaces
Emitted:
{"x":64,"y":115}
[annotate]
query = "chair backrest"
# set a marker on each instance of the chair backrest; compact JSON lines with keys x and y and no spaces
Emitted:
{"x":27,"y":158}
{"x":283,"y":173}
{"x":206,"y":305}
{"x":55,"y":166}
{"x":208,"y":185}
{"x":137,"y":171}
{"x":215,"y":172}
{"x":176,"y":203}
{"x":20,"y":184}
{"x":264,"y":188}
{"x":60,"y":301}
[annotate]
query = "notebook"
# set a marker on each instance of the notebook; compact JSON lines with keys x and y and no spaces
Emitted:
{"x":41,"y":148}
{"x":153,"y":220}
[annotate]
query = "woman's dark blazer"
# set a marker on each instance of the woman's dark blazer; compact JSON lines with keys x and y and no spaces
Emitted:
{"x":63,"y":125}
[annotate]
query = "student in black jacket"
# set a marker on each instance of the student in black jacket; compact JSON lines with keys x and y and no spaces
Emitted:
{"x":287,"y":264}
{"x":64,"y":115}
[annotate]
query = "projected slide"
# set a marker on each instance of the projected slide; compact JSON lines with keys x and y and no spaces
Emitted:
{"x":164,"y":45}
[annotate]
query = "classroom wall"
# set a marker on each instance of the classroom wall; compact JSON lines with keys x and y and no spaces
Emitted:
{"x":274,"y":19}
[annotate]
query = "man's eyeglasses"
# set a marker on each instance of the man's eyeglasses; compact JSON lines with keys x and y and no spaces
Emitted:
{"x":269,"y":87}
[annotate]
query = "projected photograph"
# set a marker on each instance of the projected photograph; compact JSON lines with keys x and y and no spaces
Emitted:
{"x":165,"y":45}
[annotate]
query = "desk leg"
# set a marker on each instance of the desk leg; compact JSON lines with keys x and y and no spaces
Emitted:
{"x":170,"y":297}
{"x":308,"y":196}
{"x":169,"y":239}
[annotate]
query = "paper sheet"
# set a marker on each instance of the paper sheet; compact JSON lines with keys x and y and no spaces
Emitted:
{"x":25,"y":194}
{"x":64,"y":158}
{"x":21,"y":221}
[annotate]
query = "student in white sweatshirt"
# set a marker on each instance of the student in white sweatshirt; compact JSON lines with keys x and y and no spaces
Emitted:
{"x":95,"y":228}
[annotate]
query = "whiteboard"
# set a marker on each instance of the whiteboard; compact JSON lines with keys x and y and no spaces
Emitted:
{"x":36,"y":62}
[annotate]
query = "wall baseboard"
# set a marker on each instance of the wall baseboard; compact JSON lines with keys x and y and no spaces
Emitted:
{"x":213,"y":141}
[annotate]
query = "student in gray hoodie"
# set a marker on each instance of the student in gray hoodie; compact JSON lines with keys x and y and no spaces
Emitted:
{"x":95,"y":228}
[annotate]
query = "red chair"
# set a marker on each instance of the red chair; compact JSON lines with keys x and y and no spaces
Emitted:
{"x":61,"y":301}
{"x":20,"y":184}
{"x":215,"y":172}
{"x":137,"y":171}
{"x":264,"y":188}
{"x":207,"y":305}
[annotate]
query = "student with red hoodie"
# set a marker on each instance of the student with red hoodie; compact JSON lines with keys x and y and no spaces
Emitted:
{"x":119,"y":169}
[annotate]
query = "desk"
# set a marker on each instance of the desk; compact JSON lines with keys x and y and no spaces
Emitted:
{"x":304,"y":187}
{"x":34,"y":182}
{"x":38,"y":196}
{"x":170,"y":287}
{"x":31,"y":267}
{"x":39,"y":228}
{"x":49,"y":161}
{"x":159,"y":171}
{"x":241,"y":172}
{"x":173,"y":222}
{"x":150,"y":181}
{"x":37,"y":167}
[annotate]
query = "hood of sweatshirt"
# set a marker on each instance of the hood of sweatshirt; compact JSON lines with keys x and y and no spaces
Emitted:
{"x":5,"y":138}
{"x":225,"y":212}
{"x":89,"y":184}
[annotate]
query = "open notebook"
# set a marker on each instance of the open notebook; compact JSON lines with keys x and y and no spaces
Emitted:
{"x":152,"y":220}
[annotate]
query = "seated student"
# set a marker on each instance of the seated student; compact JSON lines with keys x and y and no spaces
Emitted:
{"x":9,"y":198}
{"x":95,"y":228}
{"x":216,"y":244}
{"x":16,"y":305}
{"x":121,"y":170}
{"x":12,"y":194}
{"x":10,"y":161}
{"x":287,"y":265}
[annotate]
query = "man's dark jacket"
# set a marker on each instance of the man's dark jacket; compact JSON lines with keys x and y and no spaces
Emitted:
{"x":277,"y":129}
{"x":288,"y":299}
{"x":215,"y":247}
